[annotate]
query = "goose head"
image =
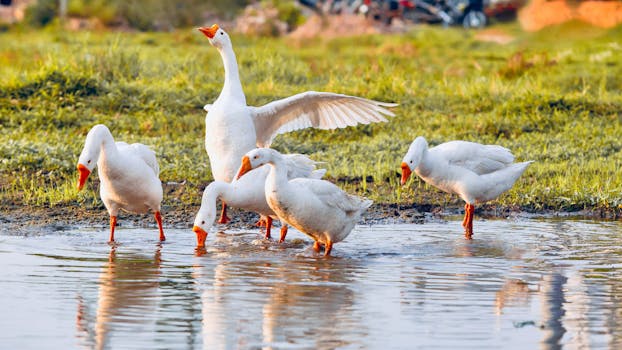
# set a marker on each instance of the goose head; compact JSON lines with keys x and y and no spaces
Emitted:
{"x":90,"y":153}
{"x":217,"y":37}
{"x":254,"y":159}
{"x":203,"y":222}
{"x":413,"y":157}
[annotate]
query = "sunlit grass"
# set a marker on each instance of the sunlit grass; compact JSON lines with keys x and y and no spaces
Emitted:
{"x":546,"y":96}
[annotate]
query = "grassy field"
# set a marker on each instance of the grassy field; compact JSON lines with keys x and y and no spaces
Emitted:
{"x":553,"y":97}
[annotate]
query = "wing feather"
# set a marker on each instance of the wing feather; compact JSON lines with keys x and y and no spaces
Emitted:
{"x":481,"y":159}
{"x":342,"y":115}
{"x":333,"y":196}
{"x":146,"y":154}
{"x":323,"y":110}
{"x":368,"y":117}
{"x":299,"y":165}
{"x":358,"y":118}
{"x":345,"y":121}
{"x":340,"y":123}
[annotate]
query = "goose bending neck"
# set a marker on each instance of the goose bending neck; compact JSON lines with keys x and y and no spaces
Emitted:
{"x":424,"y":164}
{"x":428,"y":165}
{"x":101,"y":139}
{"x":215,"y":190}
{"x":233,"y":86}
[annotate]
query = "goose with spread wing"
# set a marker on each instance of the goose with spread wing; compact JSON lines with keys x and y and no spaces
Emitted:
{"x":128,"y":175}
{"x":475,"y":172}
{"x":233,"y":128}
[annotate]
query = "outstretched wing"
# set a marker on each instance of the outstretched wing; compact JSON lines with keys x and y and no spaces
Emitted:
{"x":322,"y":110}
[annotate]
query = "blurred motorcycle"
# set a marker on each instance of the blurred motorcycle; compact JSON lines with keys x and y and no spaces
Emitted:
{"x":468,"y":13}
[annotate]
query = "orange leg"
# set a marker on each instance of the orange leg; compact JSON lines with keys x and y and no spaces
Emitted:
{"x":223,"y":214}
{"x":261,"y":222}
{"x":466,"y":215}
{"x":158,"y":218}
{"x":113,"y":223}
{"x":471,"y":219}
{"x":200,"y":251}
{"x":469,"y":222}
{"x":283,"y":233}
{"x":328,"y":248}
{"x":268,"y":227}
{"x":316,"y":246}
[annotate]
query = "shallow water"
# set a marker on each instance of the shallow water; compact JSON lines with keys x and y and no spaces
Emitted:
{"x":520,"y":284}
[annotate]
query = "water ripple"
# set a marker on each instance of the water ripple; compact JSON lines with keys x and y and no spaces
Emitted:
{"x":519,"y":284}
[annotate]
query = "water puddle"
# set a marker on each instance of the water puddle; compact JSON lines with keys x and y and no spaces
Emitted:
{"x":521,"y":283}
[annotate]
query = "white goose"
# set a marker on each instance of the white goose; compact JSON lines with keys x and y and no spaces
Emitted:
{"x":248,"y":193}
{"x":315,"y":207}
{"x":233,"y":128}
{"x":475,"y":172}
{"x":128,"y":175}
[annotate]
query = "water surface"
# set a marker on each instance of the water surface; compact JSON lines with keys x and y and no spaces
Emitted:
{"x":520,"y":284}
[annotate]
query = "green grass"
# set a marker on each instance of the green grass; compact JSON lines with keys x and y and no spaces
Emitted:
{"x":551,"y":97}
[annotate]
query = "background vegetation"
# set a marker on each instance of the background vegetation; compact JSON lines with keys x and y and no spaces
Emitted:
{"x":150,"y":15}
{"x":553,"y":97}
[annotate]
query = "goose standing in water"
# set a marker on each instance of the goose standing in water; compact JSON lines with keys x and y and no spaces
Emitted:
{"x":128,"y":175}
{"x":475,"y":172}
{"x":317,"y":208}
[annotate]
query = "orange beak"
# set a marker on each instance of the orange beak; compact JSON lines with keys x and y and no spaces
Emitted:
{"x":405,"y":173}
{"x":209,"y":31}
{"x":201,"y":236}
{"x":245,"y":168}
{"x":84,"y":174}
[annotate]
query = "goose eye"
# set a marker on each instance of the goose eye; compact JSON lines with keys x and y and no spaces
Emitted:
{"x":203,"y":222}
{"x":411,"y":162}
{"x":222,"y":33}
{"x":88,"y":161}
{"x":255,"y":157}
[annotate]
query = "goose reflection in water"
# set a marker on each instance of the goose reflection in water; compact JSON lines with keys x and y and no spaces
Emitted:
{"x":128,"y":293}
{"x":553,"y":299}
{"x":569,"y":304}
{"x":265,"y":304}
{"x":314,"y":302}
{"x":514,"y":292}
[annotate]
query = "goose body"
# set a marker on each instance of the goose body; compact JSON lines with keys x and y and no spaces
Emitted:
{"x":317,"y":208}
{"x":232,"y":128}
{"x":128,"y":175}
{"x":248,"y":193}
{"x":475,"y":172}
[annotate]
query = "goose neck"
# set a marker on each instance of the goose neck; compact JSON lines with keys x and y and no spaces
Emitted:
{"x":107,"y":148}
{"x":215,"y":190}
{"x":278,"y":174}
{"x":427,"y":164}
{"x":232,"y":86}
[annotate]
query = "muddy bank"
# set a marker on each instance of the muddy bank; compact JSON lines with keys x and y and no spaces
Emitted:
{"x":38,"y":220}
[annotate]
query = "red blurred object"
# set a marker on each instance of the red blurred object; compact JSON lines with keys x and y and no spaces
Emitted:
{"x":407,"y":4}
{"x":493,"y":8}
